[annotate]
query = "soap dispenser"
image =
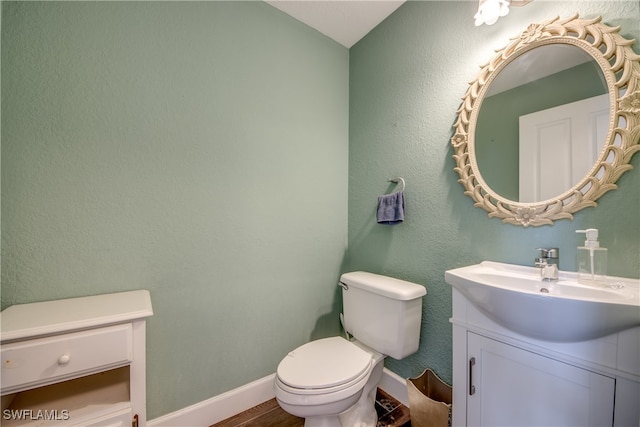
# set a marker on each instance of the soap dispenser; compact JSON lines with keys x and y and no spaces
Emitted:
{"x":592,"y":259}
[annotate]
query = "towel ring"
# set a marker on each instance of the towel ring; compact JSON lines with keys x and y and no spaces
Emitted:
{"x":399,"y":180}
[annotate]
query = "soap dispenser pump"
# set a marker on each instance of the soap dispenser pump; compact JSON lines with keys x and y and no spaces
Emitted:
{"x":592,"y":259}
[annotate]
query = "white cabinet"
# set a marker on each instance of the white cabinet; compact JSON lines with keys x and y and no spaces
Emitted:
{"x":75,"y":362}
{"x":501,"y":378}
{"x":514,"y":387}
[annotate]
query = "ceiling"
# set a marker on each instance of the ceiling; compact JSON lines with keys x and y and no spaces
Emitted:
{"x":345,"y":21}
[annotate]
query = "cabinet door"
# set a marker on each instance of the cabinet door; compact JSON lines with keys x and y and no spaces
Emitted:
{"x":509,"y":386}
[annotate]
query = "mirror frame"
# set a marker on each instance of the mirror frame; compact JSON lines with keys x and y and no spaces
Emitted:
{"x":620,"y":66}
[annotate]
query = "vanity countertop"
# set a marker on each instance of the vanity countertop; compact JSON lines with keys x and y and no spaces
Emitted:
{"x":24,"y":321}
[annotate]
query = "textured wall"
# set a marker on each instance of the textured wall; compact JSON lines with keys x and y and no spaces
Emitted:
{"x":406,"y":81}
{"x":195,"y":149}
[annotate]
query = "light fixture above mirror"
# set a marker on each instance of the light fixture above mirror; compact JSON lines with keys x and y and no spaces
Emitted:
{"x":490,"y":10}
{"x":618,"y":132}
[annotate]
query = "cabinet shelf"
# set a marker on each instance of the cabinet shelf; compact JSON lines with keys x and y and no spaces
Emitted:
{"x":77,"y":401}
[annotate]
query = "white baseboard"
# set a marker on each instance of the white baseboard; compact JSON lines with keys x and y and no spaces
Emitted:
{"x":395,"y":385}
{"x":219,"y":407}
{"x":240,"y":399}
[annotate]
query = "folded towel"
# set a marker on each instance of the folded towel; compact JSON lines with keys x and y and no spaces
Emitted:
{"x":391,"y":208}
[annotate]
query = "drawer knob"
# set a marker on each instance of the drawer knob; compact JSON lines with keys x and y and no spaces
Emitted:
{"x":64,"y":359}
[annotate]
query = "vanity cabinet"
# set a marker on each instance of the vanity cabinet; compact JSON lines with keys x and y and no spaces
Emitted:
{"x":75,"y":362}
{"x":501,"y":378}
{"x":515,"y":387}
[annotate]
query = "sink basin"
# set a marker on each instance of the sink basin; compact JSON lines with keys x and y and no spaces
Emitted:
{"x":561,"y":310}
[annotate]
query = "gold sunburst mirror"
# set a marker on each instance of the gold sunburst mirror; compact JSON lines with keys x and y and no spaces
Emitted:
{"x":522,"y":151}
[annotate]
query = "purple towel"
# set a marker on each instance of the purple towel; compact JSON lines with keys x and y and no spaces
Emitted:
{"x":391,"y":208}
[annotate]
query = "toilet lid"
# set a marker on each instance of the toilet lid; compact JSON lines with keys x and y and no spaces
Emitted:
{"x":323,"y":363}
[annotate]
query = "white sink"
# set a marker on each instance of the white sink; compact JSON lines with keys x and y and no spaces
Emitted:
{"x":562,"y":310}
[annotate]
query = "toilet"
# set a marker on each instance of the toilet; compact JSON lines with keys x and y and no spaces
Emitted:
{"x":332,"y":382}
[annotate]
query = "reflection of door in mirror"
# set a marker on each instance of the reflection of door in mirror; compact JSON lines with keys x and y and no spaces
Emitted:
{"x":558,"y":146}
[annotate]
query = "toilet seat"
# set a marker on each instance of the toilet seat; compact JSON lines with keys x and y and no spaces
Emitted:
{"x":323,"y":366}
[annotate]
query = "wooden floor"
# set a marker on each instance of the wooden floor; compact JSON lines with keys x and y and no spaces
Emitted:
{"x":391,"y":413}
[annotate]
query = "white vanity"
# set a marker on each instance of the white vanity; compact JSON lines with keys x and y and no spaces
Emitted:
{"x":75,"y":362}
{"x":519,"y":378}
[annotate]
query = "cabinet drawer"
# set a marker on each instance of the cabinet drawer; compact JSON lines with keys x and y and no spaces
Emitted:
{"x":46,"y":360}
{"x":122,"y":418}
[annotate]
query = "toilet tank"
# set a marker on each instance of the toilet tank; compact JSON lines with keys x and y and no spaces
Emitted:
{"x":382,"y":312}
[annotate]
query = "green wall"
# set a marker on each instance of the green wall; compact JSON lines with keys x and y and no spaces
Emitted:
{"x":195,"y":149}
{"x":407,"y":78}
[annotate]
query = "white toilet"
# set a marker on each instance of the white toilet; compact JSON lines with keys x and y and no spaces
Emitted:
{"x":332,"y":382}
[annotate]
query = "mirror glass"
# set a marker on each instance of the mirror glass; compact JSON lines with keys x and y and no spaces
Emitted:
{"x":541,"y":94}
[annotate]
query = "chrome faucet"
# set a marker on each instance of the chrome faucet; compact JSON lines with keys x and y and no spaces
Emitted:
{"x":548,"y":263}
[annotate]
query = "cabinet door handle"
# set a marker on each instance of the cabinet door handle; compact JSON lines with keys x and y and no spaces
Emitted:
{"x":472,"y":388}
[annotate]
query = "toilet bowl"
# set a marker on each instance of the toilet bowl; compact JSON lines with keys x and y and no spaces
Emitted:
{"x":330,"y":382}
